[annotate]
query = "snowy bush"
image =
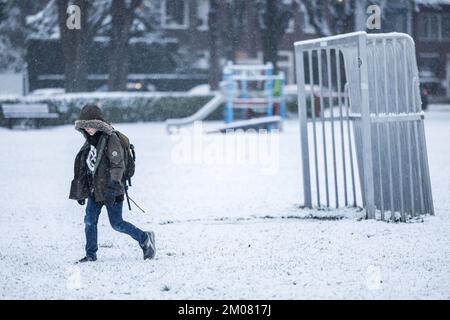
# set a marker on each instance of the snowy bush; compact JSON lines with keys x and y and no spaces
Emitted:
{"x":128,"y":106}
{"x":120,"y":106}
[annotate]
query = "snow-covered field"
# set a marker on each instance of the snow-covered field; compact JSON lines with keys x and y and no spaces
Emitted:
{"x":222,"y":230}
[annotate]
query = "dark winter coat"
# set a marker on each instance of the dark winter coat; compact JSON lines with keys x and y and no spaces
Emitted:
{"x":109,"y":165}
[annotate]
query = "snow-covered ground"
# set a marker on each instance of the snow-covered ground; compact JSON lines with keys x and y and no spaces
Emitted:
{"x":223,"y":230}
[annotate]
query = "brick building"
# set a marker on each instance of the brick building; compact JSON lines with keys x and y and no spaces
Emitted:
{"x":427,"y":21}
{"x":187,"y":21}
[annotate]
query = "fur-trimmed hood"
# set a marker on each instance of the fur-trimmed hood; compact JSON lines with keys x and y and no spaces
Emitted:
{"x":91,"y":116}
{"x":96,"y":124}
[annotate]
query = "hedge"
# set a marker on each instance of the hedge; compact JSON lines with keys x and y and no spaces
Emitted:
{"x":127,"y":107}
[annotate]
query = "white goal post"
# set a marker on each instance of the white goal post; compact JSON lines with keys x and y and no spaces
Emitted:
{"x":361,"y":125}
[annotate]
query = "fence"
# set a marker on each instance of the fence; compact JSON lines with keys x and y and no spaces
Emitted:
{"x":368,"y":141}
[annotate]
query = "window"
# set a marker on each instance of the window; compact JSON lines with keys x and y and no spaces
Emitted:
{"x":395,"y":21}
{"x":286,"y":64}
{"x":445,"y":27}
{"x":429,"y":65}
{"x":433,"y":26}
{"x":422,"y":27}
{"x":175,"y":14}
{"x":202,"y":14}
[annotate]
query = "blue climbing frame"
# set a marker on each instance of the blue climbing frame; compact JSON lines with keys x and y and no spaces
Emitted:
{"x":239,"y":96}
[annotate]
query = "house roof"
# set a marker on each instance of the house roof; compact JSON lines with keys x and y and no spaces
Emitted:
{"x":432,"y":2}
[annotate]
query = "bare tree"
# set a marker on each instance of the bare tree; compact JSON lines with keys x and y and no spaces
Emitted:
{"x":14,"y":32}
{"x":214,"y":59}
{"x":75,"y":43}
{"x":274,"y":20}
{"x":115,"y":20}
{"x":234,"y":13}
{"x":122,"y":17}
{"x":329,"y":17}
{"x":224,"y":35}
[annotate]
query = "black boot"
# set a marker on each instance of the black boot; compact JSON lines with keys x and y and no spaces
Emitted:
{"x":87,"y":259}
{"x":148,"y":246}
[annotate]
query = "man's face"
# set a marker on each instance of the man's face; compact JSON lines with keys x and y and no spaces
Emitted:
{"x":91,"y":131}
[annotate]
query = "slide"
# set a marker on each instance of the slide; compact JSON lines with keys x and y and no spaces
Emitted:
{"x":247,"y":124}
{"x":201,"y":114}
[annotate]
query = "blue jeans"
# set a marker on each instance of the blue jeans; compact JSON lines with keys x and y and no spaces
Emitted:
{"x":93,"y":210}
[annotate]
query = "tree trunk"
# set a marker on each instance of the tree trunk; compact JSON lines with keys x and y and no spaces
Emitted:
{"x":122,"y":21}
{"x":276,"y":19}
{"x":228,"y":35}
{"x":214,"y":63}
{"x":235,"y":11}
{"x":74,"y":45}
{"x":75,"y":71}
{"x":270,"y":42}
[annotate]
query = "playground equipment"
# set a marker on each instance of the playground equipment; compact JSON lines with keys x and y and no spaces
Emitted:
{"x":377,"y":113}
{"x":253,"y":91}
{"x":257,"y":123}
{"x":256,"y":92}
{"x":201,"y":114}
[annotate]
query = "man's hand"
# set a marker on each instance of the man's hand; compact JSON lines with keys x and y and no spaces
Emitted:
{"x":81,"y":202}
{"x":110,"y":194}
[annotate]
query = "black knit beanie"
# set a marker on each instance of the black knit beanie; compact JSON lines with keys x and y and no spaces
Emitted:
{"x":91,"y":112}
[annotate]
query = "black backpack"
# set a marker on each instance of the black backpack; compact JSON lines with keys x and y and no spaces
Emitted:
{"x":130,"y":165}
{"x":129,"y":156}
